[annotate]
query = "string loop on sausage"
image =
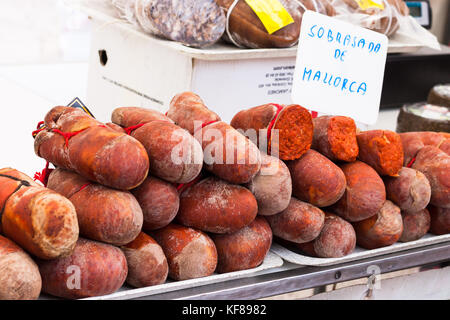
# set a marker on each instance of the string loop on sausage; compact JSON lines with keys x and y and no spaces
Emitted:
{"x":129,"y":130}
{"x":183,"y":186}
{"x":409,"y":165}
{"x":204,"y":125}
{"x":43,"y":175}
{"x":66,"y":135}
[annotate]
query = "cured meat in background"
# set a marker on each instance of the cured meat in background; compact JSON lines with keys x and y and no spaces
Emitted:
{"x":440,"y":95}
{"x":247,"y":30}
{"x":384,"y":19}
{"x":414,"y":141}
{"x":195,"y":23}
{"x":435,"y":165}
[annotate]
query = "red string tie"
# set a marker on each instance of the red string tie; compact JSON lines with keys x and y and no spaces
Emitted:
{"x":205,"y":124}
{"x":84,"y":186}
{"x":183,"y":186}
{"x":40,"y":123}
{"x":409,"y":165}
{"x":43,"y":176}
{"x":39,"y":128}
{"x":129,"y":130}
{"x":68,"y":135}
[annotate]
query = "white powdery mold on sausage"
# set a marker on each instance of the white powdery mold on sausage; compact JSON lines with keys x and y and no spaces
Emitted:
{"x":157,"y":212}
{"x":420,"y":186}
{"x":73,"y":117}
{"x":344,"y":238}
{"x":183,"y":159}
{"x":158,"y":252}
{"x":19,"y":277}
{"x":40,"y":138}
{"x":115,"y":225}
{"x":194,"y":261}
{"x":305,"y":229}
{"x":434,"y":164}
{"x":251,"y":236}
{"x":193,"y":165}
{"x":82,"y":257}
{"x":139,"y":260}
{"x":135,"y":257}
{"x":272,"y":186}
{"x":55,"y":149}
{"x":415,"y":225}
{"x":385,"y":222}
{"x":104,"y":155}
{"x":219,"y":193}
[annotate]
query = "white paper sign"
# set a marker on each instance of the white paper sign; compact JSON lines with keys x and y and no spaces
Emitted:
{"x":339,"y":68}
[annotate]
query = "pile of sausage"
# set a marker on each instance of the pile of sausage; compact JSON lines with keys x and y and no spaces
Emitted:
{"x":185,"y":194}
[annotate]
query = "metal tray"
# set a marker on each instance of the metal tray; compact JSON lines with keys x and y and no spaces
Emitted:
{"x":271,"y":261}
{"x":358,"y":254}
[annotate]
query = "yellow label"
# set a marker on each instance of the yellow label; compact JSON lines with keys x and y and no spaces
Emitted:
{"x":271,"y":13}
{"x":366,"y":4}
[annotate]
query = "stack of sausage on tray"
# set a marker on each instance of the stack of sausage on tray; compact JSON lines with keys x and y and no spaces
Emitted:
{"x":185,"y":194}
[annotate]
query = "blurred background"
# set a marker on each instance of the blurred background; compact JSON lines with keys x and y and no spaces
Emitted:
{"x":44,"y":53}
{"x":42,"y":31}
